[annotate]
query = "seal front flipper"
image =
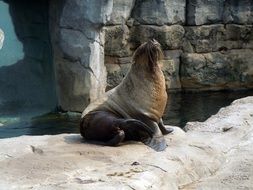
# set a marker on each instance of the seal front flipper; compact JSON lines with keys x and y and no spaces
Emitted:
{"x":149,"y":134}
{"x":157,"y":143}
{"x":164,"y":130}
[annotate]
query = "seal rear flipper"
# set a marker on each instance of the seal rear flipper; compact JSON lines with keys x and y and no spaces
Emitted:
{"x":157,"y":143}
{"x":118,"y":138}
{"x":136,"y":130}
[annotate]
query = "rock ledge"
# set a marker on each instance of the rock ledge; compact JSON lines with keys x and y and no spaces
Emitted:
{"x":215,"y":154}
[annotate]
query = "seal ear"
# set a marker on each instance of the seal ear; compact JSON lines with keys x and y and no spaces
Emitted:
{"x":152,"y":51}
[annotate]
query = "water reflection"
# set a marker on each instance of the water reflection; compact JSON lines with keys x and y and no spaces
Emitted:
{"x":45,"y":124}
{"x":181,"y":108}
{"x":184,"y":107}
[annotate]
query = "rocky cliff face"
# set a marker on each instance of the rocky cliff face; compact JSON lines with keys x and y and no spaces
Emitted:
{"x":77,"y":39}
{"x":208,"y":45}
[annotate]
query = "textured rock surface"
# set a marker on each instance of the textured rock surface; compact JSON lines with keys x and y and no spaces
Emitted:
{"x":121,"y":11}
{"x":239,"y":12}
{"x":79,"y":53}
{"x":218,"y":70}
{"x":204,"y":12}
{"x":217,"y":37}
{"x":171,"y":67}
{"x":215,"y":154}
{"x":116,"y":41}
{"x":170,"y":37}
{"x":159,"y":12}
{"x":194,"y":26}
{"x":117,"y":69}
{"x":201,"y":12}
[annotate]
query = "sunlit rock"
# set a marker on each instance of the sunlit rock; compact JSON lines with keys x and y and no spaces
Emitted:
{"x":231,"y":69}
{"x":215,"y":154}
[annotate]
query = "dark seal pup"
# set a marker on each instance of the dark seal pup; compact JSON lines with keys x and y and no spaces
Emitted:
{"x":133,"y":110}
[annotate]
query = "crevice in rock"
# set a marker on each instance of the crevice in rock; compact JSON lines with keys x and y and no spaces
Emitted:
{"x":82,"y":32}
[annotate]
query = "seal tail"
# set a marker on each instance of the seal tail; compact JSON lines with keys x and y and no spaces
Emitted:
{"x":136,"y":130}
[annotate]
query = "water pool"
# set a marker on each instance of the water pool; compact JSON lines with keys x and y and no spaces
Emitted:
{"x":181,"y":108}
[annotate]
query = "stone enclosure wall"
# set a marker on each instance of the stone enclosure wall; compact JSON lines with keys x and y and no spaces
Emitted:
{"x":208,"y":44}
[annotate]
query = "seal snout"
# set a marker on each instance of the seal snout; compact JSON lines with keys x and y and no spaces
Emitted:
{"x":153,"y":41}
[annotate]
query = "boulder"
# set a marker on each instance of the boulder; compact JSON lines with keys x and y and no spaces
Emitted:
{"x":117,"y":69}
{"x":201,"y":12}
{"x":116,"y":41}
{"x":238,"y":12}
{"x":120,"y":12}
{"x":78,"y":44}
{"x":217,"y":37}
{"x":170,"y":68}
{"x":218,"y":70}
{"x":159,"y":12}
{"x":215,"y":154}
{"x":170,"y":37}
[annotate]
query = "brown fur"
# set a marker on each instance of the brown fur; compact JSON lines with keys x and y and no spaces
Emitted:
{"x":133,"y":109}
{"x":150,"y":51}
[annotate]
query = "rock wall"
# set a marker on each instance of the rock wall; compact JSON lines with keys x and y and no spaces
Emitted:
{"x":208,"y":45}
{"x":77,"y":38}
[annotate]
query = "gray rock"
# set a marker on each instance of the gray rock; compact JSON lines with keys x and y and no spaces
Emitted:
{"x":78,"y":14}
{"x":239,"y":12}
{"x":78,"y":42}
{"x":116,"y":41}
{"x":201,"y":12}
{"x":159,"y":12}
{"x":1,"y":38}
{"x":116,"y":70}
{"x":170,"y":37}
{"x":218,"y":70}
{"x":209,"y":38}
{"x":121,"y":11}
{"x":204,"y":157}
{"x":170,"y":68}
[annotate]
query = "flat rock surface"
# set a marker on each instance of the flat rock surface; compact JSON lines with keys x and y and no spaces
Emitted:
{"x":215,"y":154}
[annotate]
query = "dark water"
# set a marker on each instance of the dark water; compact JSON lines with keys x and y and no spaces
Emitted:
{"x":181,"y":108}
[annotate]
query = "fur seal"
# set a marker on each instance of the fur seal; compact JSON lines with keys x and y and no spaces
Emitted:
{"x":133,"y":110}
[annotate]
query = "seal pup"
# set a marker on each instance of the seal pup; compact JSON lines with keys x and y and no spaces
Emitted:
{"x":133,"y":110}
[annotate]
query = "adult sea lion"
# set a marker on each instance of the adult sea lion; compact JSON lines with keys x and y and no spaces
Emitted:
{"x":133,"y":110}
